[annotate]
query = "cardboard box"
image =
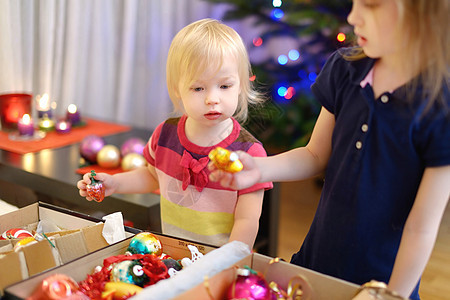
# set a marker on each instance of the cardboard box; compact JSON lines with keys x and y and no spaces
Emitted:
{"x":80,"y":235}
{"x":323,"y":286}
{"x":79,"y":269}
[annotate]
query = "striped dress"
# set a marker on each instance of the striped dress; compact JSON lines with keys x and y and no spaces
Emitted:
{"x":192,"y":207}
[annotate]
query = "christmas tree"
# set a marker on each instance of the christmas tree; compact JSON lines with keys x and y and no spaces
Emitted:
{"x":315,"y":29}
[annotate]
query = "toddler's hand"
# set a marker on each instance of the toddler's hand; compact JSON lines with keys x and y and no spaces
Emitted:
{"x":249,"y":175}
{"x":107,"y":181}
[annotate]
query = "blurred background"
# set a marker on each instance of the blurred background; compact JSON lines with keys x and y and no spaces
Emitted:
{"x":108,"y":56}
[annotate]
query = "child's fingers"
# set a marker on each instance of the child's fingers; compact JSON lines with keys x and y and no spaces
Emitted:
{"x":216,"y":175}
{"x":227,"y":180}
{"x":81,"y":185}
{"x":245,"y":158}
{"x":84,"y":194}
{"x":211,"y":166}
{"x":87,"y":178}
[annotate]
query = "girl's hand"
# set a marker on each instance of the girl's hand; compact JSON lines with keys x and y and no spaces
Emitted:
{"x":246,"y":178}
{"x":108,"y":182}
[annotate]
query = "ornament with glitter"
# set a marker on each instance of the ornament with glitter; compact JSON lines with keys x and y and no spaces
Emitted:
{"x":129,"y":271}
{"x":225,"y":160}
{"x":96,"y":189}
{"x":249,"y":285}
{"x":145,"y":243}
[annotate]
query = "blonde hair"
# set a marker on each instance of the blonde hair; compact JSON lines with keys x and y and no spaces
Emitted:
{"x":203,"y":44}
{"x":426,"y":36}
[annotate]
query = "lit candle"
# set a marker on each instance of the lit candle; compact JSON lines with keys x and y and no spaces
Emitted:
{"x":73,"y":115}
{"x":25,"y":125}
{"x":63,"y":126}
{"x":43,"y":106}
{"x":46,"y":124}
{"x":12,"y":108}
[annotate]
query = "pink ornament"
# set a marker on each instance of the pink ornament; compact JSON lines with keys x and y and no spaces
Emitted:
{"x":90,"y":146}
{"x":133,"y":145}
{"x":249,"y":286}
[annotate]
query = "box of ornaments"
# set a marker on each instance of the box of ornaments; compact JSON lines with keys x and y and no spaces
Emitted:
{"x":42,"y":236}
{"x":152,"y":266}
{"x":259,"y":277}
{"x":121,"y":271}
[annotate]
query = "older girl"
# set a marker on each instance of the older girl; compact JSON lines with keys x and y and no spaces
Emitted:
{"x":383,"y":140}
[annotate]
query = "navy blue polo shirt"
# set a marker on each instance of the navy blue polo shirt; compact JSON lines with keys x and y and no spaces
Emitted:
{"x":380,"y":148}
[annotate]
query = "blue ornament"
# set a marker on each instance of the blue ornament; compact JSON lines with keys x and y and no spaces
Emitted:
{"x":145,"y":243}
{"x":129,"y":271}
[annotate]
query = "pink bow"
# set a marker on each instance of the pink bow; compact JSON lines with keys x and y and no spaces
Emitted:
{"x":194,"y":171}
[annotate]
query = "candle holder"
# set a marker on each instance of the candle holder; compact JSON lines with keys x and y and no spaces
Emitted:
{"x":63,"y":126}
{"x":26,"y":130}
{"x":12,"y":108}
{"x":15,"y":136}
{"x":46,"y":124}
{"x":26,"y":125}
{"x":43,"y":106}
{"x":73,"y":115}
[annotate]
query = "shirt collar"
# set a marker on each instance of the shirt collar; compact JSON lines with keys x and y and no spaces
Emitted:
{"x":368,"y":80}
{"x":359,"y":69}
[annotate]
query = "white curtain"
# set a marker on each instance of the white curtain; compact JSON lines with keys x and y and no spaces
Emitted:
{"x":106,"y":56}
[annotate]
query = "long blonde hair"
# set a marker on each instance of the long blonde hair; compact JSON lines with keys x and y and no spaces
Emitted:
{"x":425,"y":30}
{"x":200,"y":45}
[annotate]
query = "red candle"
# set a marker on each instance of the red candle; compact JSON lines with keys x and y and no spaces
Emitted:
{"x":12,"y":108}
{"x":25,"y":125}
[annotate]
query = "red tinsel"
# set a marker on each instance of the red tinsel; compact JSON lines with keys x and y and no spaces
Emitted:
{"x":94,"y":284}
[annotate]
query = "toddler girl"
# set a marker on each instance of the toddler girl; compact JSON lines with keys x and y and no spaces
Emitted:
{"x":208,"y":78}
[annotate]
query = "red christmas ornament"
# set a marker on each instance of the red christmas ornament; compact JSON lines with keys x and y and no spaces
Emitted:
{"x":15,"y":233}
{"x":96,"y":189}
{"x":58,"y":286}
{"x":164,"y":256}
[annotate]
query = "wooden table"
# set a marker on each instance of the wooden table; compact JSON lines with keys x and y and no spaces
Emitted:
{"x":50,"y":176}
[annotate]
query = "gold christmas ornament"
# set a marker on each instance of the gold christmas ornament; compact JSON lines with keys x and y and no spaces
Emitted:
{"x":225,"y":160}
{"x":108,"y":156}
{"x":132,"y":161}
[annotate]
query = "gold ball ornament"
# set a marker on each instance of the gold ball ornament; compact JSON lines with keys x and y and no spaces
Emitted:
{"x":132,"y":161}
{"x":108,"y":156}
{"x":225,"y":160}
{"x":25,"y":241}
